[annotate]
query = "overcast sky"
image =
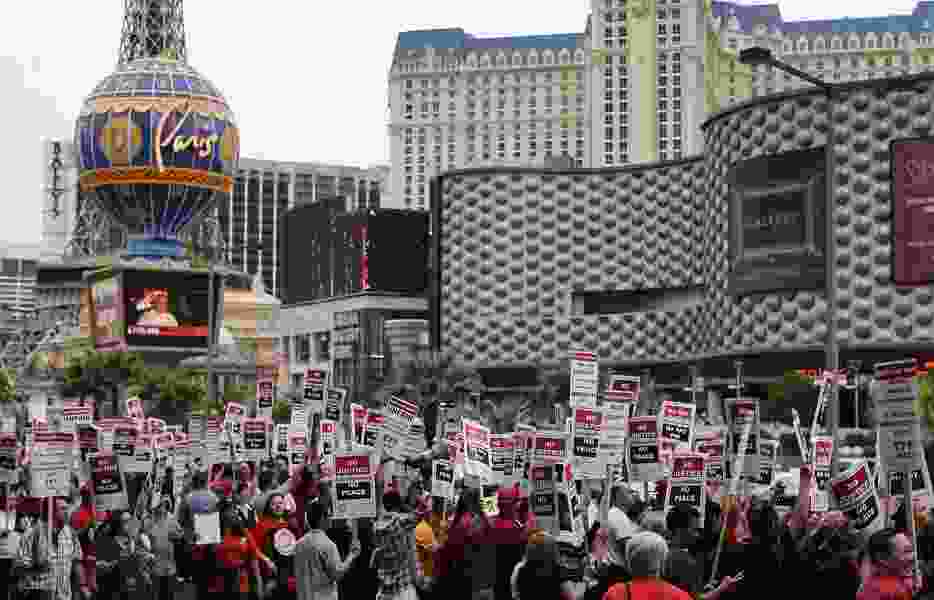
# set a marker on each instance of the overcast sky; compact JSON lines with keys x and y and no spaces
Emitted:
{"x":307,"y":79}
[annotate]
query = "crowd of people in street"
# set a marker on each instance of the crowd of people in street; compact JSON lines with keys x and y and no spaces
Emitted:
{"x":280,"y":542}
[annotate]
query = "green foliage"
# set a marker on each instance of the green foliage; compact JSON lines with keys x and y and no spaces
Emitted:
{"x":924,"y":404}
{"x":166,"y":392}
{"x":171,"y":392}
{"x":7,"y":386}
{"x":794,"y":392}
{"x":87,"y":371}
{"x":281,"y":412}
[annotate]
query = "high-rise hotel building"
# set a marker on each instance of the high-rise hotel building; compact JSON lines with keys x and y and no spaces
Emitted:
{"x":249,"y":217}
{"x":635,"y":86}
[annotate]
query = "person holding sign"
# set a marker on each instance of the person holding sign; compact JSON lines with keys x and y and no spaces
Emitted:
{"x":318,"y":565}
{"x":49,"y":554}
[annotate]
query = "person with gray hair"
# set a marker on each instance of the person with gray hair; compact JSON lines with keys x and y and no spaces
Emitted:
{"x":646,"y":553}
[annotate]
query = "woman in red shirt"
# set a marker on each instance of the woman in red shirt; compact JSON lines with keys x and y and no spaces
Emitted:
{"x":238,"y":559}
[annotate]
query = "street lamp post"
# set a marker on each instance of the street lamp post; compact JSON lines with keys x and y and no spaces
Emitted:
{"x":763,"y":56}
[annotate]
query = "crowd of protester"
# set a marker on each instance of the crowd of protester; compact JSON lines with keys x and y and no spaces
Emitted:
{"x":280,"y":542}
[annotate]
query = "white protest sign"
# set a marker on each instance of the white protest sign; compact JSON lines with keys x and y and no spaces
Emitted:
{"x":742,"y":412}
{"x":856,"y":495}
{"x":442,"y":479}
{"x":686,"y":485}
{"x":587,"y":430}
{"x":503,"y":459}
{"x":354,"y":485}
{"x":584,"y":378}
{"x":398,"y":415}
{"x":643,"y":457}
{"x":477,"y":451}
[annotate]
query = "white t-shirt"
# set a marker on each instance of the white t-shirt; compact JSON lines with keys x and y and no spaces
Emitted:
{"x":619,"y":527}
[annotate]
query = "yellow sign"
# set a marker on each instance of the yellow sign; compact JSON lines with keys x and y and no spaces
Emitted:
{"x":568,"y":120}
{"x":598,"y":56}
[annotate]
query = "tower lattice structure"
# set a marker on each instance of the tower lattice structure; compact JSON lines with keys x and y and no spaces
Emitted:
{"x":153,"y":28}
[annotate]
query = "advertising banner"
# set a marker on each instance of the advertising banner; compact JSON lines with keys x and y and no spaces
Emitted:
{"x":643,"y":456}
{"x":354,"y":485}
{"x":442,"y":479}
{"x":477,"y":461}
{"x":107,"y":482}
{"x":550,"y":448}
{"x":166,"y":309}
{"x":398,"y":415}
{"x":503,"y":451}
{"x":743,"y":411}
{"x":686,"y":483}
{"x":912,"y":162}
{"x":359,"y":423}
{"x":623,"y":389}
{"x":585,"y":377}
{"x":108,"y":318}
{"x":856,"y":494}
{"x":255,"y":443}
{"x":587,"y":433}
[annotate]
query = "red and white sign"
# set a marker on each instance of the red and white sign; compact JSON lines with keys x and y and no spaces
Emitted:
{"x":398,"y":416}
{"x":477,"y":460}
{"x":587,"y":430}
{"x":857,"y":497}
{"x":52,"y":462}
{"x":623,"y":388}
{"x":644,"y":458}
{"x":550,"y":448}
{"x":585,"y":376}
{"x":354,"y":485}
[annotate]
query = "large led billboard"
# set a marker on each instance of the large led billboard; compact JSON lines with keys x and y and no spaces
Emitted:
{"x":777,"y":212}
{"x":166,"y":309}
{"x":912,"y":211}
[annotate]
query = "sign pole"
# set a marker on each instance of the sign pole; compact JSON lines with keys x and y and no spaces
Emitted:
{"x":910,"y":516}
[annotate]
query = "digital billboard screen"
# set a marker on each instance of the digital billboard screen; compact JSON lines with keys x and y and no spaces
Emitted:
{"x":166,"y":309}
{"x":109,"y":325}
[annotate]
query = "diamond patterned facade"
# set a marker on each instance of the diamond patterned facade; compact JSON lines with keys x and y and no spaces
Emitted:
{"x":516,"y":243}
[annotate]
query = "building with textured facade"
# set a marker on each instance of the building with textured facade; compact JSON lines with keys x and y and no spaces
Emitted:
{"x":703,"y":260}
{"x":625,"y":90}
{"x":265,"y":189}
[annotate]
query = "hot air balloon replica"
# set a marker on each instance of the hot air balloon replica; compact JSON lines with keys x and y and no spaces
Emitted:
{"x":156,"y":145}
